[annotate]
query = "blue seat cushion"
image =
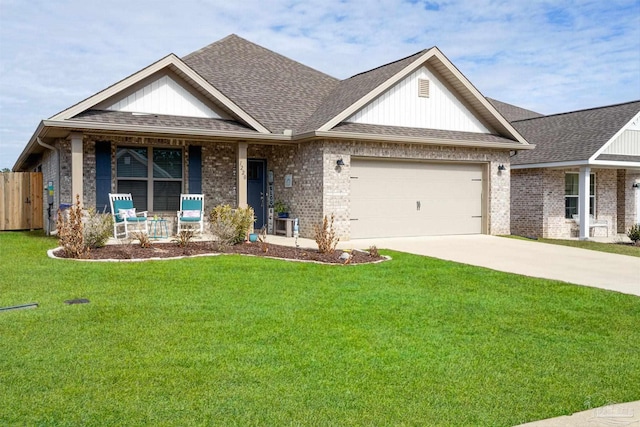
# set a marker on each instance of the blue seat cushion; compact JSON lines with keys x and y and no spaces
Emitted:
{"x":136,"y":219}
{"x":192,"y":205}
{"x":189,"y":219}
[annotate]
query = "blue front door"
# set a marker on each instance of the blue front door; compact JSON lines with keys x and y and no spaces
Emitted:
{"x":256,"y":190}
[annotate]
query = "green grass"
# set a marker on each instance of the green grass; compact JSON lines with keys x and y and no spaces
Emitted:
{"x":613,"y":248}
{"x":242,"y":341}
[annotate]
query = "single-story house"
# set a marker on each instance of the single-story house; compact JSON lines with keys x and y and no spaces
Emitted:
{"x":583,"y":178}
{"x":409,"y":148}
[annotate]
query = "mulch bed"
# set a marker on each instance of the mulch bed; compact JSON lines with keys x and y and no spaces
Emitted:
{"x":128,"y":251}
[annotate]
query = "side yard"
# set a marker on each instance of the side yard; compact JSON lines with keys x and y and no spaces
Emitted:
{"x":234,"y":340}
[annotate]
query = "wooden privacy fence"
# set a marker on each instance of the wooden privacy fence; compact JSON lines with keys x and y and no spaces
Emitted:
{"x":21,"y":200}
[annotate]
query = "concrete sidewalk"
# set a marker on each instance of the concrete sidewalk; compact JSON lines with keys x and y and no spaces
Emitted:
{"x":619,"y":273}
{"x":619,"y":414}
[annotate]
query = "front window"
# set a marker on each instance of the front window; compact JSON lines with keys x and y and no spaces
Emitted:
{"x":571,"y":196}
{"x":154,"y":185}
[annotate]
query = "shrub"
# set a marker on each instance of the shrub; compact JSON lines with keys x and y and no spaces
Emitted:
{"x":229,"y":225}
{"x":70,"y":231}
{"x":143,"y":239}
{"x":634,"y":234}
{"x":183,"y":238}
{"x":97,"y":228}
{"x":262,"y":238}
{"x":325,"y":235}
{"x":373,"y":251}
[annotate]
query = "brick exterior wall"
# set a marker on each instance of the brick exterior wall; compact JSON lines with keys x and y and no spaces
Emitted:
{"x":525,"y":202}
{"x":89,"y":173}
{"x":627,"y":193}
{"x":50,"y":173}
{"x":308,"y":185}
{"x":219,"y":175}
{"x":537,"y":208}
{"x":527,"y":209}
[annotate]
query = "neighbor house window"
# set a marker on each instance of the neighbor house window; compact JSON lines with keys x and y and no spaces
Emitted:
{"x":154,"y":185}
{"x":571,"y":183}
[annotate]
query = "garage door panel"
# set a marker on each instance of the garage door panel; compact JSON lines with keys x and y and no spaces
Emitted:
{"x":395,"y":198}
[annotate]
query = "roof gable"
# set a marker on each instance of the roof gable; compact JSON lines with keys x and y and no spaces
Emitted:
{"x":626,"y":142}
{"x":355,"y":93}
{"x":436,"y":107}
{"x":162,"y":93}
{"x":578,"y":136}
{"x":173,"y":64}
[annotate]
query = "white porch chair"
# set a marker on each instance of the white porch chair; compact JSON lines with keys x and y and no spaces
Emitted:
{"x":191,"y":213}
{"x":593,"y":223}
{"x":125,"y":216}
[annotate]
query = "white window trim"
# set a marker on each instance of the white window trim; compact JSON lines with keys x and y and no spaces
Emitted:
{"x":592,"y":179}
{"x":150,"y":178}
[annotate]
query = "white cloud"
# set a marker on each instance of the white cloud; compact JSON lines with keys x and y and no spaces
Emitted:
{"x":550,"y":56}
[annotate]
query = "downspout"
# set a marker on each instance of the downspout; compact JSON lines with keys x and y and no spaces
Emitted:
{"x":50,"y":208}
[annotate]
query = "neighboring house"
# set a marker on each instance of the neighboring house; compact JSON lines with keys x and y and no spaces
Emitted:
{"x":409,"y":148}
{"x":586,"y":165}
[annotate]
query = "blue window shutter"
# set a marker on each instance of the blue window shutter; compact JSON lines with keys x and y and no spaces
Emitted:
{"x":195,"y":169}
{"x":103,"y":175}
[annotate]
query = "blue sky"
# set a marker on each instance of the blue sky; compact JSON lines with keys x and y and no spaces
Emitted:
{"x":549,"y":56}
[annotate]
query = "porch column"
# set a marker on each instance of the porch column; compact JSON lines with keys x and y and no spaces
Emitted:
{"x":242,"y":174}
{"x":76,"y":167}
{"x":583,"y":201}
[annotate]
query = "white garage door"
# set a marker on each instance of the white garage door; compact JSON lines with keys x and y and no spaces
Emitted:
{"x":399,"y":199}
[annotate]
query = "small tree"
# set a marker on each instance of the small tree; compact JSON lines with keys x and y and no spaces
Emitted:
{"x":325,"y":235}
{"x":71,"y":231}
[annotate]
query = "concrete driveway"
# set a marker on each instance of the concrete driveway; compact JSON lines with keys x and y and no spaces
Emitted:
{"x":619,"y":273}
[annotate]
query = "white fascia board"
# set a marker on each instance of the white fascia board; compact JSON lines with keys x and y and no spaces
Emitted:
{"x":169,"y":60}
{"x":569,"y":164}
{"x":353,"y":108}
{"x":615,"y":164}
{"x":614,"y":137}
{"x":414,"y":140}
{"x":578,"y":163}
{"x":79,"y":125}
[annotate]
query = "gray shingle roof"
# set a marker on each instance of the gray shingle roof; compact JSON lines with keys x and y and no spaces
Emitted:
{"x":512,"y":112}
{"x":348,"y":91}
{"x":419,"y":133}
{"x":573,"y":136}
{"x":278,"y":92}
{"x":158,"y":120}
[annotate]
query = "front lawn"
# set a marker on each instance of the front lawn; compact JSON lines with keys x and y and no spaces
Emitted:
{"x":234,"y":340}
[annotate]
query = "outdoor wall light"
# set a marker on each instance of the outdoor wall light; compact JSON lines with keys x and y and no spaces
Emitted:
{"x":636,"y":185}
{"x":340,"y":162}
{"x":501,"y":168}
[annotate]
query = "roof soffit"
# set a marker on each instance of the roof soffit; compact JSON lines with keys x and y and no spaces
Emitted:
{"x":177,"y":66}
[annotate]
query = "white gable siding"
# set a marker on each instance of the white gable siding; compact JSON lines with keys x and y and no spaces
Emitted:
{"x":628,"y":144}
{"x":401,"y":106}
{"x":164,"y":96}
